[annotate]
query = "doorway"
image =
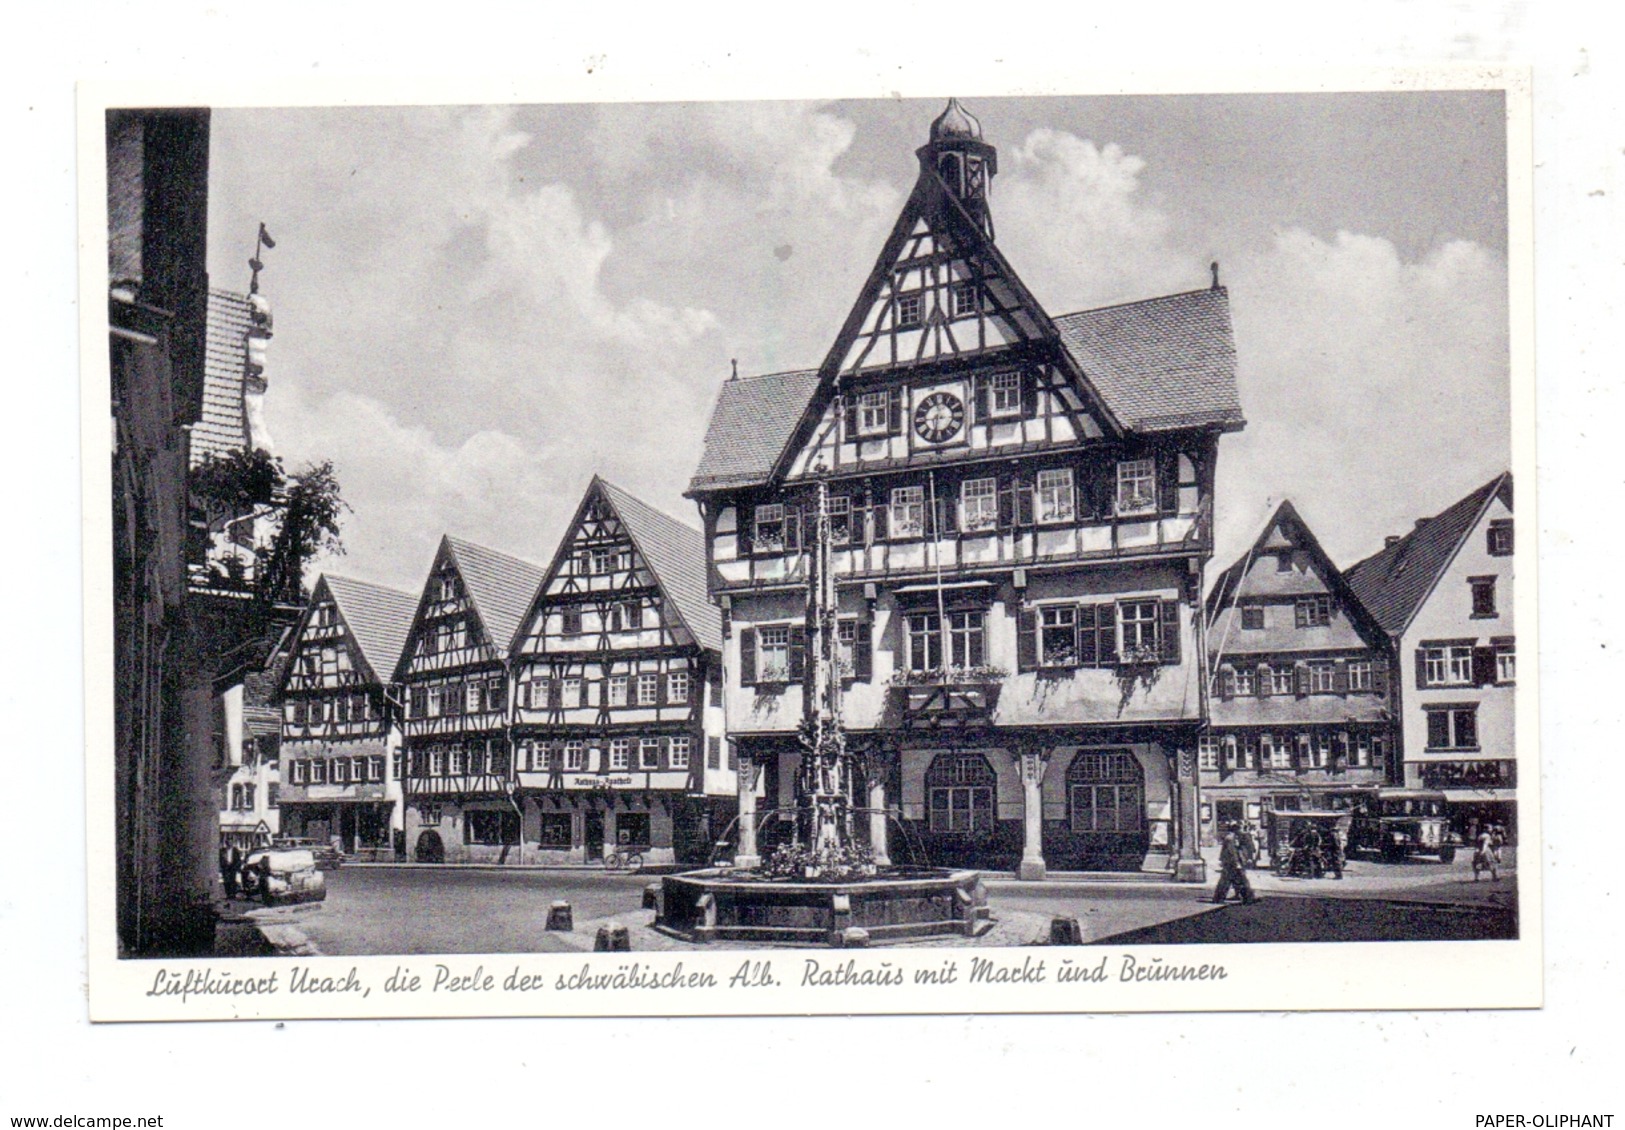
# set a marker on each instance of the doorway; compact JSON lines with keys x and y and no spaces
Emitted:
{"x":593,"y":833}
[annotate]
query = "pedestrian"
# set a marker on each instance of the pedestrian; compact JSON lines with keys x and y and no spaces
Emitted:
{"x":1498,"y":839}
{"x":1232,"y":872}
{"x":1484,"y":855}
{"x":1248,"y":841}
{"x":1334,"y":855}
{"x":231,"y":860}
{"x":1314,"y":862}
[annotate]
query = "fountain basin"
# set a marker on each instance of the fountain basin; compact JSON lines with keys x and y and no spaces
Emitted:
{"x":898,"y":904}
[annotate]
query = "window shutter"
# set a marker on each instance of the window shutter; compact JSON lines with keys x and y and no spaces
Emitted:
{"x":798,"y":651}
{"x":1340,"y":677}
{"x":1379,"y":675}
{"x":747,"y":528}
{"x":747,"y":657}
{"x":882,"y":521}
{"x":895,"y":415}
{"x":1421,"y":668}
{"x":851,"y":418}
{"x":1007,"y":501}
{"x":1029,"y":395}
{"x":1227,"y":682}
{"x":1483,"y":666}
{"x":661,"y":681}
{"x":555,"y":694}
{"x":1088,"y":637}
{"x":1027,"y":640}
{"x":1024,"y":502}
{"x":1262,"y":679}
{"x":1168,"y":638}
{"x":1106,"y":625}
{"x":947,"y":513}
{"x":1302,"y":672}
{"x":863,"y":664}
{"x":1168,"y":482}
{"x":980,"y":396}
{"x":792,"y":526}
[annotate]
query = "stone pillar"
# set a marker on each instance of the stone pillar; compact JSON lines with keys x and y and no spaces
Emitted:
{"x":1187,"y":831}
{"x":1032,"y":763}
{"x":745,"y":853}
{"x":877,"y":818}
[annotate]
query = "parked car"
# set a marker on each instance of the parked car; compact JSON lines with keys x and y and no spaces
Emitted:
{"x":277,"y":876}
{"x":328,"y":857}
{"x":1396,"y":823}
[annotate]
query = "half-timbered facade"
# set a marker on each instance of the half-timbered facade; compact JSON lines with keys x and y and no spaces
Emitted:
{"x":1020,"y":506}
{"x":340,"y":752}
{"x":459,"y":772}
{"x":1443,"y":593}
{"x":1300,"y":683}
{"x":617,"y":704}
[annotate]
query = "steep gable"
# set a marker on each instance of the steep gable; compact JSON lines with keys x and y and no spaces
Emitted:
{"x":491,"y":592}
{"x":675,"y":553}
{"x":378,"y":619}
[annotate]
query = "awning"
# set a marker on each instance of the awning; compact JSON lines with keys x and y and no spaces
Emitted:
{"x":1479,"y":796}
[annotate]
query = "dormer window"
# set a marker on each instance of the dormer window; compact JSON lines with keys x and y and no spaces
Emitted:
{"x":908,"y":310}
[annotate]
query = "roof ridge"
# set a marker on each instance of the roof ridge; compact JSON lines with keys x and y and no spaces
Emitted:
{"x":1144,"y":301}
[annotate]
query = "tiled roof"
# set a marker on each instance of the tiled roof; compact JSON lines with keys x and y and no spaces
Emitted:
{"x":750,"y":425}
{"x":379,"y":618}
{"x":1162,"y":363}
{"x":223,"y":428}
{"x":1393,"y":583}
{"x":676,"y":553}
{"x":500,"y":585}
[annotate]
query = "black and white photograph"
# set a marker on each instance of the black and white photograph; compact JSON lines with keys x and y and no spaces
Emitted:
{"x":921,"y":526}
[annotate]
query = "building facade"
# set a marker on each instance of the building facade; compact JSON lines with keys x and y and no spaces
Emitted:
{"x":340,"y":775}
{"x":1443,"y":593}
{"x":617,"y":693}
{"x":1300,"y":677}
{"x":249,"y":733}
{"x":1021,"y":509}
{"x":459,"y":784}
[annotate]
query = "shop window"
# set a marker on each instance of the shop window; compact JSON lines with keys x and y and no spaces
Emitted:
{"x":554,"y":832}
{"x":960,"y":790}
{"x":496,"y":828}
{"x":1106,"y":793}
{"x":632,"y":830}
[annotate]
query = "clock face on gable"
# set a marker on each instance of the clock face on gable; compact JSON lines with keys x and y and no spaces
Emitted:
{"x":939,"y":417}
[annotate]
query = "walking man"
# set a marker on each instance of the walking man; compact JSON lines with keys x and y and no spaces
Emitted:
{"x":1232,"y":869}
{"x":230,"y":861}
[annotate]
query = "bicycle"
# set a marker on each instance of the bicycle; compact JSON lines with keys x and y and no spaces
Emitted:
{"x":617,"y":860}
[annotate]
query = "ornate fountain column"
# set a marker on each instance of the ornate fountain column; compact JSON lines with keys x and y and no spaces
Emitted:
{"x":1189,"y":866}
{"x":1031,"y":762}
{"x":877,"y":814}
{"x":746,"y":855}
{"x":824,"y":782}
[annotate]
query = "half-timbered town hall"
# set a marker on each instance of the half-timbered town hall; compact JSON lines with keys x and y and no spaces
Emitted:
{"x":617,"y":719}
{"x":459,"y":783}
{"x":1022,"y":512}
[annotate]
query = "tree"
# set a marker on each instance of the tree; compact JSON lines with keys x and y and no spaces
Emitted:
{"x":310,"y":525}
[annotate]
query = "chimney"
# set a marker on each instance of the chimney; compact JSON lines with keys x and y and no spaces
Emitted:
{"x":1420,"y":522}
{"x":1390,"y":541}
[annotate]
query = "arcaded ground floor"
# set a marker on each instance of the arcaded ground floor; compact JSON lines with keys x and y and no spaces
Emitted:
{"x":358,"y":828}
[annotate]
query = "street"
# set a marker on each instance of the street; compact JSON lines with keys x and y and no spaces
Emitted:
{"x":418,"y":910}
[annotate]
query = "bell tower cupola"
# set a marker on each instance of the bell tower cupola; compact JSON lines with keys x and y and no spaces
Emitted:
{"x":962,"y":162}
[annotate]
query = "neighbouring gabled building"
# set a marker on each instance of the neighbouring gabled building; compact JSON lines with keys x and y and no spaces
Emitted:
{"x":459,"y":781}
{"x":617,"y":676}
{"x":1443,"y":593}
{"x":1300,"y":682}
{"x":340,"y":752}
{"x":1021,"y":508}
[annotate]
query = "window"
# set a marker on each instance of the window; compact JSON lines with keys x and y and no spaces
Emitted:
{"x":1283,"y":562}
{"x":1245,"y":681}
{"x":1252,"y":617}
{"x":475,"y":698}
{"x":1207,"y":752}
{"x":648,"y":688}
{"x":1447,"y":665}
{"x":840,"y":519}
{"x":1282,"y":679}
{"x":1106,"y":792}
{"x":773,"y":653}
{"x":624,"y":616}
{"x":437,"y":762}
{"x":571,"y":622}
{"x":908,"y":310}
{"x":318,"y":771}
{"x":874,"y":413}
{"x":1499,"y":538}
{"x":713,"y":753}
{"x":341,"y":711}
{"x":429,"y":814}
{"x":575,"y":755}
{"x":1313,"y":611}
{"x":1453,"y":727}
{"x":846,"y":639}
{"x":1058,"y":636}
{"x":1506,"y":662}
{"x":607,"y":560}
{"x":620,"y":753}
{"x":1362,"y":751}
{"x":1232,"y":752}
{"x":1483,"y":590}
{"x":769,"y":536}
{"x":341,"y":771}
{"x":1276,"y":754}
{"x":959,"y":795}
{"x":1322,"y":677}
{"x":1054,"y":497}
{"x":1250,"y":751}
{"x":536,"y":693}
{"x":273,"y":795}
{"x":300,"y":771}
{"x":649,"y":754}
{"x":967,"y":639}
{"x":632,"y":830}
{"x":1138,"y":621}
{"x":1360,"y":678}
{"x":572,"y":691}
{"x":554,"y":831}
{"x":678,"y":752}
{"x":457,"y":760}
{"x":1324,"y":751}
{"x":677,"y":687}
{"x":617,"y":690}
{"x":924,"y":642}
{"x":978,"y":504}
{"x":1306,"y":751}
{"x":1137,"y":486}
{"x":1004,"y":395}
{"x":907,"y":512}
{"x":498,"y":827}
{"x":967,"y":298}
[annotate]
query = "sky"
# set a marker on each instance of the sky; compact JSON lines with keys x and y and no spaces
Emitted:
{"x":478,"y":308}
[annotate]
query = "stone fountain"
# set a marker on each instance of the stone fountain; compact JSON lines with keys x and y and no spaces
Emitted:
{"x":824,"y":887}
